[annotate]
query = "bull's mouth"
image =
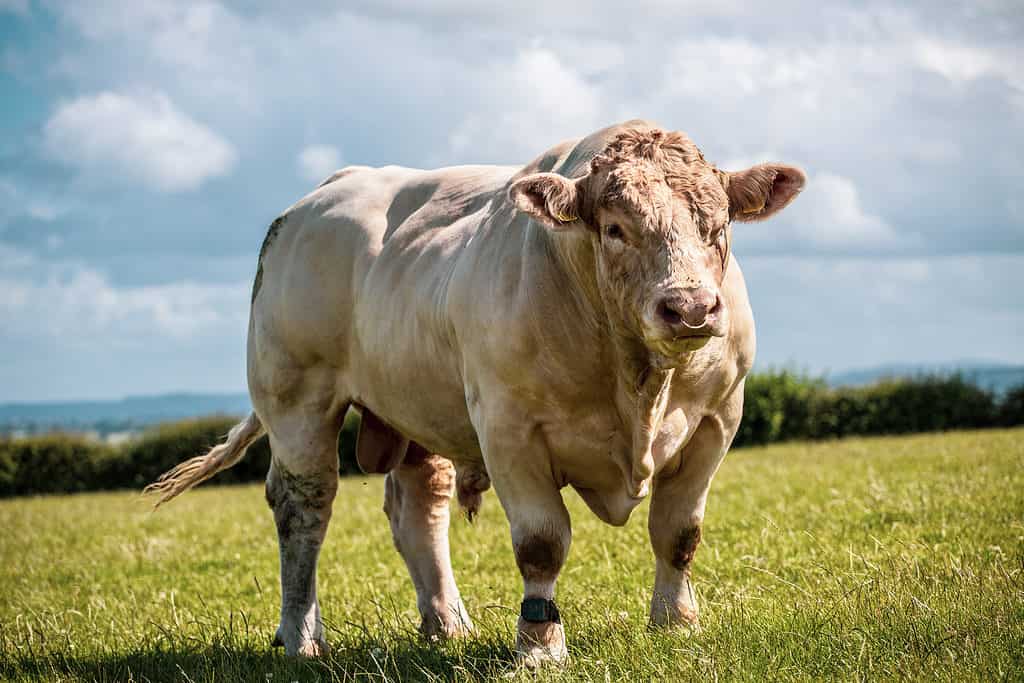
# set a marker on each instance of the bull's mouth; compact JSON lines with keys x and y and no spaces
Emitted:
{"x":671,"y":350}
{"x":679,"y":346}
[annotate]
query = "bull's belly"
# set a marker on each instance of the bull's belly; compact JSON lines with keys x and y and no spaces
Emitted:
{"x":419,"y":397}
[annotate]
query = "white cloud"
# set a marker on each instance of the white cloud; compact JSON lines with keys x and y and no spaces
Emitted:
{"x":959,"y":62}
{"x":736,"y":68}
{"x":829,"y":213}
{"x":203,"y":46}
{"x":316,"y":162}
{"x":69,"y":331}
{"x":72,"y":301}
{"x":536,"y":100}
{"x":139,"y":138}
{"x":827,"y":216}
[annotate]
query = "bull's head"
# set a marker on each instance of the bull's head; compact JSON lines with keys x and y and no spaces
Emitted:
{"x":659,"y":220}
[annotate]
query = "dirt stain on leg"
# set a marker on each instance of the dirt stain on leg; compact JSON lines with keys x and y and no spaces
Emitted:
{"x":540,"y":556}
{"x":685,"y":547}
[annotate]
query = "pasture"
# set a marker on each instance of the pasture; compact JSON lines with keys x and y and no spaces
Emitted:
{"x":868,"y":558}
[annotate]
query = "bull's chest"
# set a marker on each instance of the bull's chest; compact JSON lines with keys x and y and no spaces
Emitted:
{"x":595,"y":455}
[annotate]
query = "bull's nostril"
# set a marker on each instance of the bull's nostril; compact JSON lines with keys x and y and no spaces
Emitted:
{"x":669,"y":314}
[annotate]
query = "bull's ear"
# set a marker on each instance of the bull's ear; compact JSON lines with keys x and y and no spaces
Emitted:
{"x":549,"y":198}
{"x":761,"y":191}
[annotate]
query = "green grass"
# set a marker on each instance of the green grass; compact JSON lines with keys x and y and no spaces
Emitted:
{"x":862,"y":559}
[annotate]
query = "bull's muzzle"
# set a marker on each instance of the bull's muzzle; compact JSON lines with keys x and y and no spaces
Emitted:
{"x":682,"y":313}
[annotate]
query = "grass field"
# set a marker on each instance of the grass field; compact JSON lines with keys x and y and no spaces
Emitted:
{"x":862,"y":559}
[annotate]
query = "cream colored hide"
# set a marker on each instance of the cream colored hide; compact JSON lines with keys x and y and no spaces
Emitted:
{"x":575,"y":322}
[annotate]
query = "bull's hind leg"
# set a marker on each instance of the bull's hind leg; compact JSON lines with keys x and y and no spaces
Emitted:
{"x":416,"y":500}
{"x":301,"y":485}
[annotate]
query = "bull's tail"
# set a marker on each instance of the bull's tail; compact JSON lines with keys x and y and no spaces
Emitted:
{"x":200,"y":468}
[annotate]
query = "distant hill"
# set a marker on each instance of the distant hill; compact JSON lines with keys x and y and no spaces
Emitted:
{"x":125,"y":414}
{"x":995,"y":377}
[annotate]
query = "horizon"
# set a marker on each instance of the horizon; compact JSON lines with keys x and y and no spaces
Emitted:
{"x":150,"y":145}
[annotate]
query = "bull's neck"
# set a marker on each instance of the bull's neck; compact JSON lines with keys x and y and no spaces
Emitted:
{"x":640,"y":390}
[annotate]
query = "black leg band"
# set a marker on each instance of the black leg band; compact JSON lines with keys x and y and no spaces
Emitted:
{"x":539,"y":611}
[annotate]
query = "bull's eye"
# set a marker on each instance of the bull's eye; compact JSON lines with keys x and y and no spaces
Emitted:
{"x":614,"y":231}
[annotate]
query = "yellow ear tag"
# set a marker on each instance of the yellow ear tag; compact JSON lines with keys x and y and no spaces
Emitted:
{"x":562,"y":218}
{"x":759,"y":209}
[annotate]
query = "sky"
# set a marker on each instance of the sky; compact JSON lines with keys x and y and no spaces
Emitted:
{"x":146,"y":146}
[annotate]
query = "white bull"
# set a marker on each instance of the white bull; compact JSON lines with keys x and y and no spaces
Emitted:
{"x":577,"y":321}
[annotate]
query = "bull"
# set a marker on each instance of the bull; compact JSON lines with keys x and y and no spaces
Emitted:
{"x":579,"y":321}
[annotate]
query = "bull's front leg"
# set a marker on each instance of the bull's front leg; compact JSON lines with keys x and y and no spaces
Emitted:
{"x":541,"y":534}
{"x":676,"y":519}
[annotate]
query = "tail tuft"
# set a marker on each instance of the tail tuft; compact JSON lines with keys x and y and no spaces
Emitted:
{"x":195,"y":471}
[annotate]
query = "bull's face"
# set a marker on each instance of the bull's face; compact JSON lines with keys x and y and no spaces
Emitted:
{"x":659,"y":220}
{"x":660,"y":257}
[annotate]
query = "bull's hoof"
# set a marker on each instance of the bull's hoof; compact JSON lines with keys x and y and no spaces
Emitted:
{"x":444,"y":622}
{"x":540,"y":644}
{"x":675,"y":612}
{"x":436,"y":629}
{"x":685,"y":622}
{"x":313,"y":649}
{"x":304,"y":647}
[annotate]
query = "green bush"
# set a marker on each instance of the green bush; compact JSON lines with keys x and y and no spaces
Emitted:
{"x":778,"y":405}
{"x":783,"y":406}
{"x":1011,"y":408}
{"x":52,"y":463}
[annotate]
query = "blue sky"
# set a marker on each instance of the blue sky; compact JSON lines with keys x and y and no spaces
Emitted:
{"x":146,"y":146}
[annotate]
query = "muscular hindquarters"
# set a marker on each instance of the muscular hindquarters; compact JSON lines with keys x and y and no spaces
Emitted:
{"x":354,"y":282}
